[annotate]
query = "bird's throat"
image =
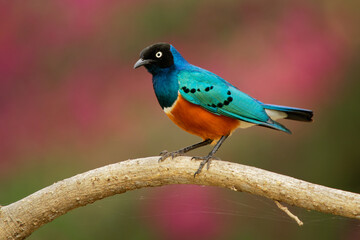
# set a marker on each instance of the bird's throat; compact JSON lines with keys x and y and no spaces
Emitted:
{"x":166,"y":89}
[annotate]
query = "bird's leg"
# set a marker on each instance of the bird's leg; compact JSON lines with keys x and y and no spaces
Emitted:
{"x":165,"y":154}
{"x":206,"y":159}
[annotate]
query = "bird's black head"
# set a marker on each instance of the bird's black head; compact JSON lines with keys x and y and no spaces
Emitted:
{"x":158,"y":54}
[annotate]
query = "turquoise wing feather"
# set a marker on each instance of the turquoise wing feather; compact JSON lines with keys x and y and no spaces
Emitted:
{"x":214,"y":94}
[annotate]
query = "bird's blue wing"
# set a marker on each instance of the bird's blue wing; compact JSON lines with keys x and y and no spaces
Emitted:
{"x":214,"y":94}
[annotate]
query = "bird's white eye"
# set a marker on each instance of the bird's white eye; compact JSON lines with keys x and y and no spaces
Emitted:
{"x":158,"y":54}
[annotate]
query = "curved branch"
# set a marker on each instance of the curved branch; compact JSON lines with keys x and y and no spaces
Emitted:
{"x":18,"y":220}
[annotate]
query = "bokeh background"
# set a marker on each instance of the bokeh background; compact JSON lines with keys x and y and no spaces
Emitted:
{"x":70,"y":101}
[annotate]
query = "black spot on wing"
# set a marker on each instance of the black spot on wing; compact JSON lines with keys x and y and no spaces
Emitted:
{"x":185,"y":89}
{"x":222,"y":104}
{"x":207,"y":89}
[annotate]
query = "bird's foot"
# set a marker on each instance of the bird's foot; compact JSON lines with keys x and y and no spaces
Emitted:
{"x":166,"y":154}
{"x":204,"y":160}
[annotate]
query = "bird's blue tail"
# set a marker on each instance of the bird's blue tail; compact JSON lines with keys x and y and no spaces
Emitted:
{"x":275,"y":125}
{"x":282,"y":112}
{"x":297,"y":114}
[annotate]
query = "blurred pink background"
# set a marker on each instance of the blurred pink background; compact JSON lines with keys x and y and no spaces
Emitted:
{"x":70,"y":101}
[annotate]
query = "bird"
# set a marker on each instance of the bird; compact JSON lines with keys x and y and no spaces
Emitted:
{"x":204,"y":104}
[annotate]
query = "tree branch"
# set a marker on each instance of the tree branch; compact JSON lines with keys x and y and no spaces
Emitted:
{"x":18,"y":220}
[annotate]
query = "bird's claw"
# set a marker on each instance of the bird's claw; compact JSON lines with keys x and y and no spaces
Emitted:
{"x":166,"y":154}
{"x":205,"y":160}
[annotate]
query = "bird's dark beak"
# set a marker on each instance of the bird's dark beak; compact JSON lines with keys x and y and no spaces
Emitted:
{"x":142,"y":62}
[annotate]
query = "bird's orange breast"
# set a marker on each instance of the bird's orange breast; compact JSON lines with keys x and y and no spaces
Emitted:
{"x":198,"y":121}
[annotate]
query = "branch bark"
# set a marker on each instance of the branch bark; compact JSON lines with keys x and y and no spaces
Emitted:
{"x":18,"y":220}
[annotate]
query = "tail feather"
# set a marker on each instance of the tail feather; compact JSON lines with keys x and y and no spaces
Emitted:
{"x":297,"y":114}
{"x":275,"y":125}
